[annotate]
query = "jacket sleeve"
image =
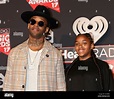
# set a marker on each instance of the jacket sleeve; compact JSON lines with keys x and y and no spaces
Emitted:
{"x":108,"y":80}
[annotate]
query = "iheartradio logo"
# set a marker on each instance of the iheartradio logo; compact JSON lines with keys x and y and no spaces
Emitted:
{"x":97,"y":26}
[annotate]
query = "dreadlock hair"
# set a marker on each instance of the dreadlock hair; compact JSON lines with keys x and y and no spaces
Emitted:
{"x":88,"y":35}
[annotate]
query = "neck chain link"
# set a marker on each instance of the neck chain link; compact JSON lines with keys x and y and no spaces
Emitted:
{"x":32,"y":62}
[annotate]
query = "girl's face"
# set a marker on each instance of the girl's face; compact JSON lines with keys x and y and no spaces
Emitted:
{"x":83,"y":47}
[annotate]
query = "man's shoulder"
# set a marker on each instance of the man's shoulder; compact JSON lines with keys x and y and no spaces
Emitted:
{"x":20,"y":46}
{"x":50,"y":45}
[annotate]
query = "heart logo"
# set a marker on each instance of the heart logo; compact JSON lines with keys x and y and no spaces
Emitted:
{"x":97,"y":26}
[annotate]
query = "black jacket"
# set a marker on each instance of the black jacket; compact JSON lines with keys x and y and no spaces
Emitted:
{"x":89,"y":75}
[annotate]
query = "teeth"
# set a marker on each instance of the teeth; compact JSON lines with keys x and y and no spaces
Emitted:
{"x":80,"y":50}
{"x":35,"y":29}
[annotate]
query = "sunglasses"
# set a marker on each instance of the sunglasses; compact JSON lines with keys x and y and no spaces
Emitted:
{"x":40,"y":23}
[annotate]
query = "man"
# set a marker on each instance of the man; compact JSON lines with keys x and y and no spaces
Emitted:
{"x":35,"y":65}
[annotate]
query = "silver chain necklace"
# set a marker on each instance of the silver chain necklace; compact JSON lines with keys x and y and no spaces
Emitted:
{"x":32,"y":62}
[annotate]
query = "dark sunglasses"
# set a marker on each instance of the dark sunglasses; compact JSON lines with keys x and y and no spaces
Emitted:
{"x":40,"y":23}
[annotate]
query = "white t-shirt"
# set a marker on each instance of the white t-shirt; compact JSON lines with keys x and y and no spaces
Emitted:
{"x":32,"y":70}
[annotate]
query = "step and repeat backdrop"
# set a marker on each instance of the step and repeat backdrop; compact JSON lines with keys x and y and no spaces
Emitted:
{"x":75,"y":16}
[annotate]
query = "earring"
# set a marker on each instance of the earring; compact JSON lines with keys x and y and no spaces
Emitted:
{"x":44,"y":34}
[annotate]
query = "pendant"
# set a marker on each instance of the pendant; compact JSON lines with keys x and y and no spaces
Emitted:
{"x":31,"y":66}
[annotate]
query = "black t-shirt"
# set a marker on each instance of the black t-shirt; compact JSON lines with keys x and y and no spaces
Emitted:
{"x":86,"y":75}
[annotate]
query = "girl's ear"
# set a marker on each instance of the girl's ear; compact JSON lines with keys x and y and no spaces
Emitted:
{"x":28,"y":26}
{"x":92,"y":46}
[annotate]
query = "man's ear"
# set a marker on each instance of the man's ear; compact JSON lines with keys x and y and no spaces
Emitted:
{"x":47,"y":30}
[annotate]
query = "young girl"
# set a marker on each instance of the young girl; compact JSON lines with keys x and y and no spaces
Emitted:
{"x":86,"y":72}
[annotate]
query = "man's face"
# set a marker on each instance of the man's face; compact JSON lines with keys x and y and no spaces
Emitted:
{"x":37,"y":26}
